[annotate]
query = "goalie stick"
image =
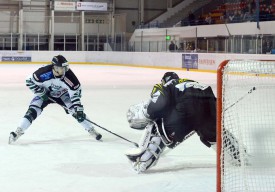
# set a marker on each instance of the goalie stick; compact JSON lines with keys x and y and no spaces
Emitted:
{"x":99,"y":125}
{"x":241,"y":98}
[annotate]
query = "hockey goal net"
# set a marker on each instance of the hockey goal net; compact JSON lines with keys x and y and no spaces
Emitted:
{"x":246,"y":126}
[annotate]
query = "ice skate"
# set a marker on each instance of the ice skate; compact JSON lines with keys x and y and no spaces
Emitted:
{"x":95,"y":134}
{"x":15,"y":135}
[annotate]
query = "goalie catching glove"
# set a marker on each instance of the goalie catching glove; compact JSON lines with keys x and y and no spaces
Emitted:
{"x":137,"y":116}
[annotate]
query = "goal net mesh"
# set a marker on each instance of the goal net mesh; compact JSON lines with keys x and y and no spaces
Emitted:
{"x":248,"y":114}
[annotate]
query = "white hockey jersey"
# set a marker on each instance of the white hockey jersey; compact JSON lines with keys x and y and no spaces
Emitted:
{"x":43,"y":81}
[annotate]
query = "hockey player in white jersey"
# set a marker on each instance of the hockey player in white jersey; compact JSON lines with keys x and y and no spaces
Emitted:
{"x":177,"y":109}
{"x":54,"y":83}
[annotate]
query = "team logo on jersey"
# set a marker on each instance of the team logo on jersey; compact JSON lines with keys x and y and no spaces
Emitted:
{"x":55,"y":87}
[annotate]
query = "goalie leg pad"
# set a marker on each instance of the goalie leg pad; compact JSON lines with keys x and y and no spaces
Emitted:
{"x":162,"y":132}
{"x":147,"y":155}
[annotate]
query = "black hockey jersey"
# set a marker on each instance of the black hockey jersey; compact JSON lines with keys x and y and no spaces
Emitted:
{"x":184,"y":105}
{"x":165,"y":96}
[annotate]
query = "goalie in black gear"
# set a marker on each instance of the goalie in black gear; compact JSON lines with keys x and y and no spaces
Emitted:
{"x":177,"y":109}
{"x":58,"y":82}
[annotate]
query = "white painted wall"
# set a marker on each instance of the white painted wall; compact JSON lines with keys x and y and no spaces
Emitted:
{"x":8,"y":21}
{"x":249,"y":28}
{"x":156,"y":59}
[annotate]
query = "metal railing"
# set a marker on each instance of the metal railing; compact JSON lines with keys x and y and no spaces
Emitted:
{"x":249,"y":44}
{"x":64,"y":42}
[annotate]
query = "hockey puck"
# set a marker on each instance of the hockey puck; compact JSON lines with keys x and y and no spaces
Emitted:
{"x":98,"y":137}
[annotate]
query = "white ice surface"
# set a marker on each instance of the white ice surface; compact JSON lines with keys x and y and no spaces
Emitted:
{"x":57,"y":155}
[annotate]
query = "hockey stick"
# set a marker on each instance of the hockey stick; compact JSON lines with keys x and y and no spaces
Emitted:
{"x":98,"y":125}
{"x":112,"y":132}
{"x":241,"y":98}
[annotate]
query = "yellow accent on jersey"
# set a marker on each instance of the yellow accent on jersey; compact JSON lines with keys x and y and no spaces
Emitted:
{"x":157,"y":87}
{"x":184,"y":80}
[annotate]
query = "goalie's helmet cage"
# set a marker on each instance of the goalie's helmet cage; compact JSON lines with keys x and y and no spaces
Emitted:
{"x":246,"y":111}
{"x":169,"y":76}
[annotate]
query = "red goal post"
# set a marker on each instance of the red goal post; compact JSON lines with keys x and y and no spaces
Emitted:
{"x":219,"y":123}
{"x":245,"y":109}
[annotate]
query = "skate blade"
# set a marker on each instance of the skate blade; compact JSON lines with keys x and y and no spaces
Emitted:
{"x":12,"y":138}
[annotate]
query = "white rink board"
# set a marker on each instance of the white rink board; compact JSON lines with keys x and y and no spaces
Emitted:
{"x":206,"y":61}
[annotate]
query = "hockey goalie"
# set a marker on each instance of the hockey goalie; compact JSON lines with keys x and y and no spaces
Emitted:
{"x":177,"y":109}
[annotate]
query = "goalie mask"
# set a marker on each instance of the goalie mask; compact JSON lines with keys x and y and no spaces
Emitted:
{"x":60,"y":66}
{"x":168,"y":76}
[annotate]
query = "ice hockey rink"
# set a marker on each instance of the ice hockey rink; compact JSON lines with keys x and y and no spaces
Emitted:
{"x":56,"y":154}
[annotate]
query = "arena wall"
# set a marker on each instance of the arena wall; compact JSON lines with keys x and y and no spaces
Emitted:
{"x":201,"y":61}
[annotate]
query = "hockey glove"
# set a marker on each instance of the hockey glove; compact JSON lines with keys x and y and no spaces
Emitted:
{"x":79,"y":114}
{"x":44,"y":97}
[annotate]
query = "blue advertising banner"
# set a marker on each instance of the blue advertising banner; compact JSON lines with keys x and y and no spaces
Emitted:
{"x":190,"y":61}
{"x":17,"y":58}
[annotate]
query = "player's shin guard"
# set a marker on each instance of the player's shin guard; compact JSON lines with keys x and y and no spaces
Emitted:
{"x":25,"y":123}
{"x":150,"y":148}
{"x":32,"y":113}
